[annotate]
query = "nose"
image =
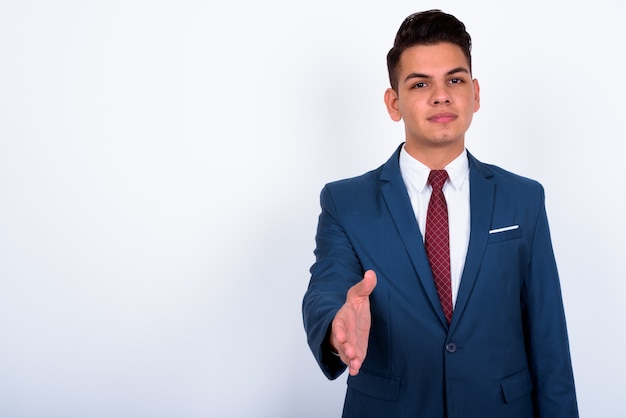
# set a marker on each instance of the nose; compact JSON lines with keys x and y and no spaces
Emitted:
{"x":441,"y":95}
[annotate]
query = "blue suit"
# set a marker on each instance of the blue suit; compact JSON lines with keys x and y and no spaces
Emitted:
{"x":505,"y":352}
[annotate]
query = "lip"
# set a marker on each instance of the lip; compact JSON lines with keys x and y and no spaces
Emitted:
{"x":444,"y":117}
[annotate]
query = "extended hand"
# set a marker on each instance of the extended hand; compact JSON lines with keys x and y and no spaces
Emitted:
{"x":351,"y":327}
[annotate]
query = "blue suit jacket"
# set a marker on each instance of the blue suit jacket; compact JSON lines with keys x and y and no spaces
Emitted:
{"x":505,"y":353}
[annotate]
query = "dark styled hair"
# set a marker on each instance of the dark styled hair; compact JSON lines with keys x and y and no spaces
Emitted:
{"x":427,"y":28}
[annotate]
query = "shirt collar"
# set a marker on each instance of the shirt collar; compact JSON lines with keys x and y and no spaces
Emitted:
{"x":417,"y":172}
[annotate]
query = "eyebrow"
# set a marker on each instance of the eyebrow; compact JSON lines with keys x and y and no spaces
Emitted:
{"x":452,"y":71}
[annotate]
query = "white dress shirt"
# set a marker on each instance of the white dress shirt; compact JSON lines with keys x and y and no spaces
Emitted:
{"x":457,"y":193}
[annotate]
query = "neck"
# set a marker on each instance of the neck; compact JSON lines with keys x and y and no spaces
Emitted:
{"x":435,"y":158}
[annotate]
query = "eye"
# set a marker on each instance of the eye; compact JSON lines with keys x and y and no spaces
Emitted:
{"x":419,"y":85}
{"x":456,"y":80}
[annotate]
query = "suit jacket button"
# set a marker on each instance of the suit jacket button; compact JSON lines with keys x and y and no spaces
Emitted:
{"x":450,"y":348}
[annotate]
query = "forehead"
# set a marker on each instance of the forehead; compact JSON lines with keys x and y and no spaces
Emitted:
{"x":432,"y":59}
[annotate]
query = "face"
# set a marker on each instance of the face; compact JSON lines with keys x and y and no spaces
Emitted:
{"x":436,"y":98}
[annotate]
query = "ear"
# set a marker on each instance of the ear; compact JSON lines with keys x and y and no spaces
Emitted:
{"x":391,"y":101}
{"x":476,"y":95}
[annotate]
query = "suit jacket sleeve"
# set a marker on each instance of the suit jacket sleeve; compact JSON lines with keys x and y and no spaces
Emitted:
{"x":549,"y":355}
{"x":336,"y":269}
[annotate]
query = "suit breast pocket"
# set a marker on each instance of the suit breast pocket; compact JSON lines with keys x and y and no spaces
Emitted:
{"x":504,"y":262}
{"x":496,"y":235}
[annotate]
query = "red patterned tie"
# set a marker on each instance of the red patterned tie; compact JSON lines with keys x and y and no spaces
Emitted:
{"x":437,"y":240}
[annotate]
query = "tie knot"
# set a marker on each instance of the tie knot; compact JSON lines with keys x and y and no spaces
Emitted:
{"x":437,"y":178}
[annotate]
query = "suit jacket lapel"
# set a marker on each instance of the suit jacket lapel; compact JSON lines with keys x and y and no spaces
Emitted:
{"x":397,"y":199}
{"x":481,"y":203}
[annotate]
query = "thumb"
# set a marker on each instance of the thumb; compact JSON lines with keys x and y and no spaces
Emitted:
{"x":365,"y":287}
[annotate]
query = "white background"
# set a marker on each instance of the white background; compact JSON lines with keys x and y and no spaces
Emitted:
{"x":160,"y":167}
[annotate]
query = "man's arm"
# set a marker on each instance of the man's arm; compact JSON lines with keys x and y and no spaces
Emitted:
{"x":546,"y":329}
{"x":336,"y":302}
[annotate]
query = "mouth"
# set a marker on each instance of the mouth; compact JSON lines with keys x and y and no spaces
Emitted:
{"x":444,"y":117}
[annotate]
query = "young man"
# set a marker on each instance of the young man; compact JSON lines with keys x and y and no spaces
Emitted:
{"x":435,"y":282}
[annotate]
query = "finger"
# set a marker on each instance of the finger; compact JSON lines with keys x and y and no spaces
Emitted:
{"x":369,"y":281}
{"x":365,"y":287}
{"x":339,"y":334}
{"x":344,"y":349}
{"x":354,"y":366}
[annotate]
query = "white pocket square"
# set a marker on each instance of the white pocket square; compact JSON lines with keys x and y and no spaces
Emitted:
{"x":506,"y":228}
